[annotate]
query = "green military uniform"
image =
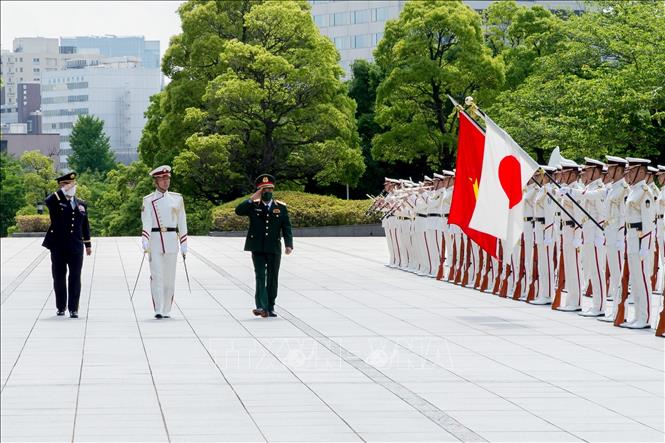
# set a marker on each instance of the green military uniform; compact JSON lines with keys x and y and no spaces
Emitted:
{"x":268,"y":223}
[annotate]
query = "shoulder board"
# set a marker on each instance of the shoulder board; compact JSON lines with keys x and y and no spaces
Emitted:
{"x":280,"y":202}
{"x":175,"y":193}
{"x":148,"y":196}
{"x":258,"y":200}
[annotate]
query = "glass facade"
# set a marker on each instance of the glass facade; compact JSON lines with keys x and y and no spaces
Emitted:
{"x":111,"y":46}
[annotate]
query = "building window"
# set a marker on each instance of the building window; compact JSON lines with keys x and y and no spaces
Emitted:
{"x":19,"y":69}
{"x":379,"y":14}
{"x":64,"y":139}
{"x":341,"y":18}
{"x":376,"y":38}
{"x":342,"y":42}
{"x":34,"y":60}
{"x":67,"y":125}
{"x":35,"y":69}
{"x":322,"y":21}
{"x":361,"y":16}
{"x":360,"y":41}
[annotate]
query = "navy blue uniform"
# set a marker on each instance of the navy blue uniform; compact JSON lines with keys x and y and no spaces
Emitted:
{"x":66,"y":237}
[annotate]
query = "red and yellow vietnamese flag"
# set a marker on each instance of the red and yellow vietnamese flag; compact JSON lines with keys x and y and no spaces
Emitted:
{"x":470,"y":148}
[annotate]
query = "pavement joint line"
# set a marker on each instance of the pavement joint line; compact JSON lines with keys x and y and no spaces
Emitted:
{"x":145,"y":351}
{"x":427,"y":359}
{"x":8,"y":260}
{"x":245,"y":288}
{"x":9,"y":290}
{"x":85,"y":336}
{"x":242,"y":403}
{"x":515,"y":369}
{"x":427,"y":409}
{"x":25,"y":342}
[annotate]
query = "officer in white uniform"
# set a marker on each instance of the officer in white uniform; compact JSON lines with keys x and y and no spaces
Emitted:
{"x":660,"y":225}
{"x":164,"y":233}
{"x":640,"y":241}
{"x":544,"y":238}
{"x":615,"y":228}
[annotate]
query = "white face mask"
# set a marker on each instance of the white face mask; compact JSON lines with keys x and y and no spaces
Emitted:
{"x":70,"y":192}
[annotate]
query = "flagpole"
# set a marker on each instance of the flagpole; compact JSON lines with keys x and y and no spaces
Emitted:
{"x":477,"y":109}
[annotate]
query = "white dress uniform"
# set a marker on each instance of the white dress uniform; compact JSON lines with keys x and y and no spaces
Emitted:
{"x":529,"y":197}
{"x":164,"y":235}
{"x":660,"y":233}
{"x":615,"y":240}
{"x":640,"y":241}
{"x":544,"y":237}
{"x":449,"y":232}
{"x":593,"y":244}
{"x":420,"y":243}
{"x":435,"y":229}
{"x":572,"y":241}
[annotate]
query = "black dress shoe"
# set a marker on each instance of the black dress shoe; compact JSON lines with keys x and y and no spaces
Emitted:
{"x":158,"y":316}
{"x":166,"y":316}
{"x":257,"y":311}
{"x":73,"y":314}
{"x":60,"y":313}
{"x":272,"y":314}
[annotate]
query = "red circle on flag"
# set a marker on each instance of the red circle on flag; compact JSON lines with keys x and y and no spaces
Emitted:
{"x":510,"y":176}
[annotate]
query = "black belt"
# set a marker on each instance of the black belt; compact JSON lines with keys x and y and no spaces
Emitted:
{"x":422,"y":215}
{"x":528,"y":218}
{"x":403,"y":218}
{"x":557,"y":214}
{"x":569,"y":223}
{"x":434,"y":215}
{"x":446,"y":215}
{"x":163,"y":229}
{"x":637,"y":226}
{"x":539,"y":219}
{"x":659,"y":216}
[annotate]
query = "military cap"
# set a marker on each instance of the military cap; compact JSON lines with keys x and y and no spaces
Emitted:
{"x":449,"y":173}
{"x":637,"y":161}
{"x":652,"y":169}
{"x":68,"y":177}
{"x":615,"y":160}
{"x":439,"y":176}
{"x":548,"y":168}
{"x":593,"y":162}
{"x":161,"y":171}
{"x":391,"y":180}
{"x":569,"y":164}
{"x":264,"y":181}
{"x":661,"y":168}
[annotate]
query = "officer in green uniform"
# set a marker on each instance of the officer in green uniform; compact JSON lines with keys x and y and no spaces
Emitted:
{"x":268,"y":223}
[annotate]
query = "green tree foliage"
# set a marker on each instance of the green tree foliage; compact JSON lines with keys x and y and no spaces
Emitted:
{"x":435,"y":48}
{"x":520,"y":35}
{"x":601,"y":90}
{"x":12,"y":194}
{"x":91,"y":148}
{"x":255,"y":83}
{"x":38,"y":179}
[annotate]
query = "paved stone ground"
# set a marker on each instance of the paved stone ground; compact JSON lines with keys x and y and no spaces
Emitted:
{"x":359,"y":352}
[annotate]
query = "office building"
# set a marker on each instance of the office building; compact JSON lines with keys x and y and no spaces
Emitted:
{"x":109,"y":46}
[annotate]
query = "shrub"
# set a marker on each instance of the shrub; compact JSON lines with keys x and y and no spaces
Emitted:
{"x":32,"y":223}
{"x":305,"y":210}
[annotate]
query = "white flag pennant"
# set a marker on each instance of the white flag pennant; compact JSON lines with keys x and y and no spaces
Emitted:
{"x":506,"y":170}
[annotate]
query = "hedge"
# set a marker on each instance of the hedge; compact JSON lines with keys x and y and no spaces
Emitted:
{"x":305,"y":210}
{"x":32,"y":223}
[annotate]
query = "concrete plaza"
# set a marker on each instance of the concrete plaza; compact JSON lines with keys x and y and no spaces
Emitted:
{"x":359,"y":352}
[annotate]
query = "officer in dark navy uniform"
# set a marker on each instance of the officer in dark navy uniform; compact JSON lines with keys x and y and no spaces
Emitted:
{"x":66,"y":237}
{"x":268,"y":223}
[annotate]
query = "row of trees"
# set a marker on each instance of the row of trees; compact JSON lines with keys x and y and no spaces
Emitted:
{"x":255,"y":88}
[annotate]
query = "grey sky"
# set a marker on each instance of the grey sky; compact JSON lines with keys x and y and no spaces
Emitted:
{"x":156,"y":20}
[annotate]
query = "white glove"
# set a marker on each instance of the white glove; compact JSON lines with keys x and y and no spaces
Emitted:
{"x":599,"y":240}
{"x":146,"y":244}
{"x":183,"y":248}
{"x":548,"y":241}
{"x":564,"y":190}
{"x":577,"y":242}
{"x":620,"y":244}
{"x":644,"y":250}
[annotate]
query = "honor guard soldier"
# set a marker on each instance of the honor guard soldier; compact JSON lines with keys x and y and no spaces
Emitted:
{"x":66,"y":237}
{"x":640,"y":241}
{"x":164,"y":233}
{"x":268,"y":223}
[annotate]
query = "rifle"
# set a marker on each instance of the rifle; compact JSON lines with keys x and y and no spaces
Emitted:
{"x":442,"y":258}
{"x":503,"y":292}
{"x":654,"y":275}
{"x":517,"y":293}
{"x":451,"y":273}
{"x":589,"y":290}
{"x":561,"y":278}
{"x":497,"y":277}
{"x":488,"y":268}
{"x":531,"y":295}
{"x":660,"y":329}
{"x":479,"y":271}
{"x":621,"y":308}
{"x":467,"y":264}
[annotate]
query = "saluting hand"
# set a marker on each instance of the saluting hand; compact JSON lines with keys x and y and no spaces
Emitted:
{"x":256,"y":195}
